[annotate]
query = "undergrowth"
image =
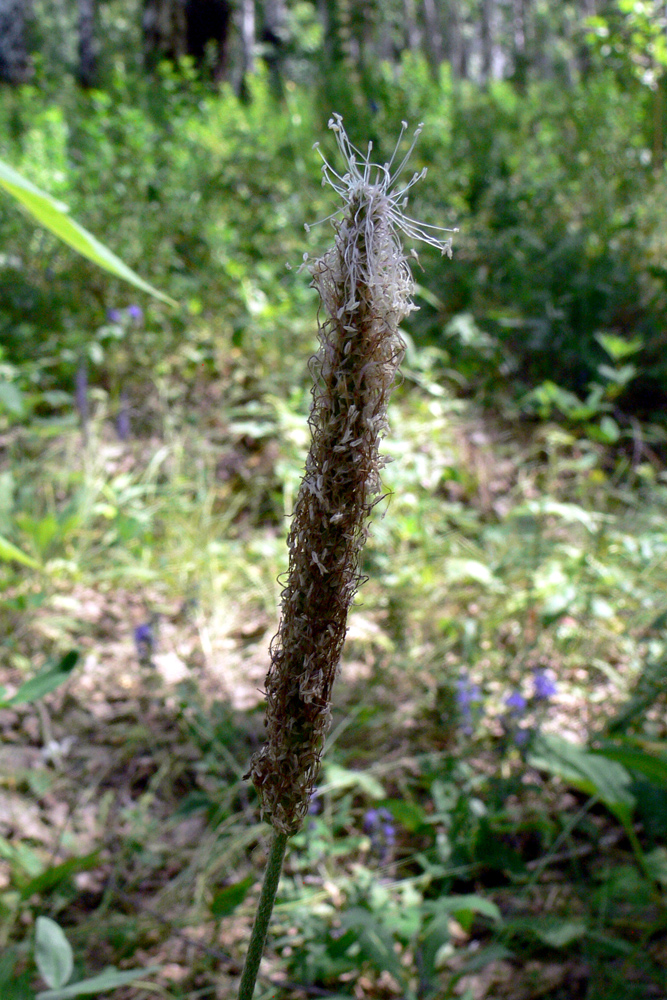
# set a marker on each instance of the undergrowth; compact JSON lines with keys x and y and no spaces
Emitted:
{"x":438,"y":851}
{"x":492,"y":813}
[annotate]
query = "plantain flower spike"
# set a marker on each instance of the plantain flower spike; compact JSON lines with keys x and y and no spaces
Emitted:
{"x":365,"y":287}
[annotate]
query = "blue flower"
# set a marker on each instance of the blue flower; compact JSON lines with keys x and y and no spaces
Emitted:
{"x":144,"y":640}
{"x":543,"y":686}
{"x":114,"y":316}
{"x":467,"y":693}
{"x":516,"y":702}
{"x":468,"y":698}
{"x":378,"y":823}
{"x":136,"y":313}
{"x":370,"y":820}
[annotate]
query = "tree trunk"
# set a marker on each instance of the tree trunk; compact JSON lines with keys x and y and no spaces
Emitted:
{"x":14,"y":65}
{"x":434,"y":48}
{"x":487,"y":39}
{"x":412,"y":33}
{"x":87,"y":73}
{"x":164,"y":30}
{"x":521,"y":43}
{"x":273,"y":39}
{"x":246,"y":17}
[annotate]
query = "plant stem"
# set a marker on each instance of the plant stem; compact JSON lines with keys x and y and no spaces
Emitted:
{"x":260,"y":928}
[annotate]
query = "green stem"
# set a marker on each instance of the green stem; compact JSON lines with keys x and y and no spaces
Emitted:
{"x":260,"y":928}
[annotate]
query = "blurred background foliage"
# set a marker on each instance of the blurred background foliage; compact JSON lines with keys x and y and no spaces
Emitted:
{"x":549,"y":160}
{"x":149,"y":459}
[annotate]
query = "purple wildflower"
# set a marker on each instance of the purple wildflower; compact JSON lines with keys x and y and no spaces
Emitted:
{"x":468,"y":699}
{"x":516,"y":702}
{"x":543,"y":686}
{"x":370,"y":820}
{"x":144,"y":641}
{"x":114,"y":316}
{"x":467,"y":693}
{"x":136,"y":313}
{"x":378,"y":824}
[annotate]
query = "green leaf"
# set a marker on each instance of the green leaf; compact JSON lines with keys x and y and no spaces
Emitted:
{"x":552,"y":931}
{"x":53,"y":953}
{"x":590,"y":772}
{"x":54,"y":876}
{"x":11,"y":399}
{"x":53,"y":215}
{"x":10,"y":553}
{"x":652,"y":767}
{"x":616,"y":347}
{"x":110,"y":979}
{"x":492,"y":953}
{"x":456,"y":905}
{"x":375,"y":942}
{"x":45,"y":682}
{"x":609,"y":432}
{"x":408,"y":814}
{"x":226,"y":901}
{"x":436,"y":934}
{"x":338,"y":778}
{"x":559,"y":933}
{"x":656,"y":863}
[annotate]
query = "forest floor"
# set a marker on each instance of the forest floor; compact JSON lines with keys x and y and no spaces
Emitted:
{"x":505,"y":552}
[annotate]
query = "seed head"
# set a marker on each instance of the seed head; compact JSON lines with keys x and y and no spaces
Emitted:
{"x":365,"y":287}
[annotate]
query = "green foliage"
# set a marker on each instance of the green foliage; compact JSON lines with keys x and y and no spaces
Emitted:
{"x":53,"y":216}
{"x":47,"y":680}
{"x":508,"y":546}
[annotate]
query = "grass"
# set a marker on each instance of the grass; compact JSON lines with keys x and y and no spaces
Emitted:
{"x":502,"y":548}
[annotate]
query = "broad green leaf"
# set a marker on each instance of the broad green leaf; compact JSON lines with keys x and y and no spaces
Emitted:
{"x":650,"y":766}
{"x":53,"y":953}
{"x":617,"y":347}
{"x":10,"y":553}
{"x":559,"y":933}
{"x":226,"y":901}
{"x":613,"y":944}
{"x":462,"y":904}
{"x":591,"y":773}
{"x":656,"y":862}
{"x":110,"y":979}
{"x":53,"y":215}
{"x":23,"y":860}
{"x":45,"y":682}
{"x":552,"y":931}
{"x":11,"y":399}
{"x":338,"y":777}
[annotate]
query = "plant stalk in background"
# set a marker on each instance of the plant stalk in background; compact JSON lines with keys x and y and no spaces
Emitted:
{"x":365,"y":287}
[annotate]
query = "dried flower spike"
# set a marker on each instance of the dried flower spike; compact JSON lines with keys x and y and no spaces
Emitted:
{"x":365,"y":287}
